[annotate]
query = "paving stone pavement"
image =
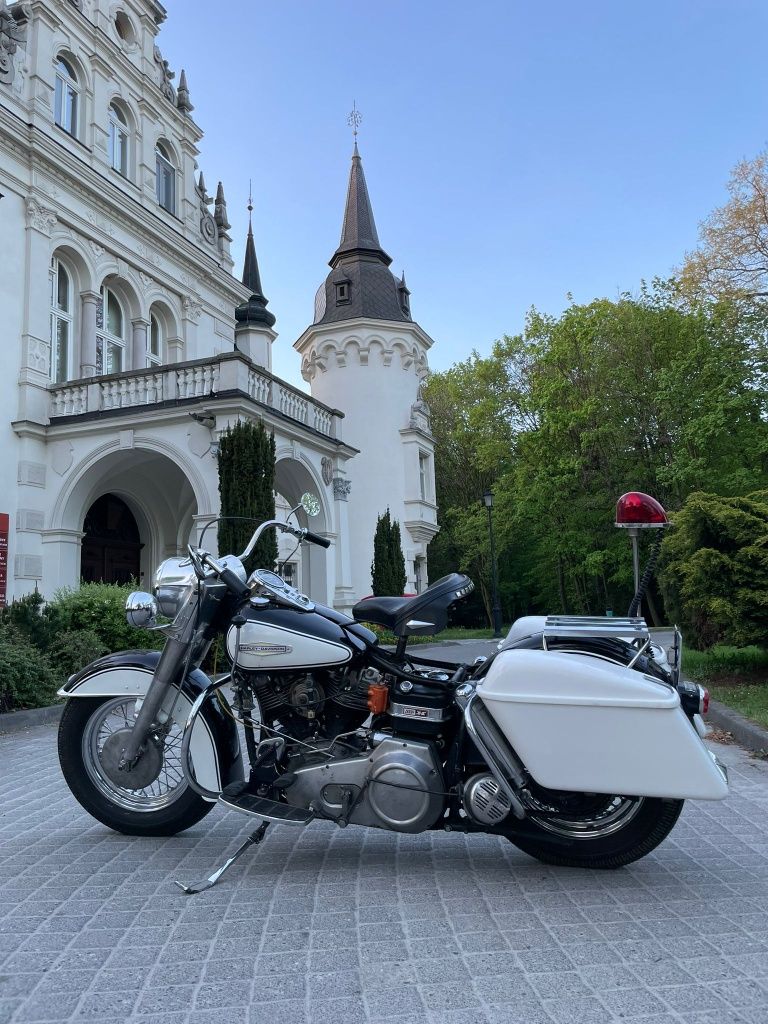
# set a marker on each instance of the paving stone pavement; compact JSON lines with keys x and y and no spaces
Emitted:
{"x":358,"y":926}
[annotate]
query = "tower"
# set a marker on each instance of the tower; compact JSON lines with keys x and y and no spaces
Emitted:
{"x":253,"y":334}
{"x":366,"y":355}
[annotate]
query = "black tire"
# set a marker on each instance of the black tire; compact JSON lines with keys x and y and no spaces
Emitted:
{"x":650,"y":823}
{"x":182,"y":809}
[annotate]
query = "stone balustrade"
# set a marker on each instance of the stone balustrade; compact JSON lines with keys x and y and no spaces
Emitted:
{"x":210,"y":378}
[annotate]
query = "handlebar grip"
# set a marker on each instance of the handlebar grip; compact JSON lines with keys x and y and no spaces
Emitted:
{"x":234,"y":584}
{"x":315,"y":538}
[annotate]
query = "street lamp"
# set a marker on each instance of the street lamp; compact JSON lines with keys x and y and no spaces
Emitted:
{"x":496,"y":607}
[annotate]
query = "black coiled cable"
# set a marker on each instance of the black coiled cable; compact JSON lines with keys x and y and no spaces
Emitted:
{"x":645,"y":579}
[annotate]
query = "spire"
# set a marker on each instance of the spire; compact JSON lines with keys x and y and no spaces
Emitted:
{"x":182,"y":95}
{"x":254,"y":311}
{"x":220,"y":211}
{"x":358,"y":232}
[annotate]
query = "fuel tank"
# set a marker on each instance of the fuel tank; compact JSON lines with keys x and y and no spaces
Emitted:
{"x":277,"y":638}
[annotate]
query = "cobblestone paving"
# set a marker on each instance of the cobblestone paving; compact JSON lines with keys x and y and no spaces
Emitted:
{"x":335,"y":926}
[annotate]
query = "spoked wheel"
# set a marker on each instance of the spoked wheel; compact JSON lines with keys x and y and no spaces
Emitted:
{"x":597,"y":831}
{"x":157,"y":800}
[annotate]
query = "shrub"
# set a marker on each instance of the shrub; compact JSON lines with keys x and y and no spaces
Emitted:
{"x":100,"y":609}
{"x":714,"y":574}
{"x":23,"y":616}
{"x":27,"y":677}
{"x":74,"y":649}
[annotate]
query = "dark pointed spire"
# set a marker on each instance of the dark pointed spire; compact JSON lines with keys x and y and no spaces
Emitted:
{"x":358,"y":232}
{"x":254,"y":311}
{"x":182,"y":95}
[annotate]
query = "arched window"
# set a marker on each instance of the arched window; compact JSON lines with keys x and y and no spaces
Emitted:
{"x":119,"y":139}
{"x":154,"y":342}
{"x":110,"y":339}
{"x":67,"y":97}
{"x":166,"y":178}
{"x":61,"y":322}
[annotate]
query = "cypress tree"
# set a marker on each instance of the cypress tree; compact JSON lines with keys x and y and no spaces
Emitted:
{"x":396,"y":559}
{"x":246,"y":488}
{"x":388,"y":567}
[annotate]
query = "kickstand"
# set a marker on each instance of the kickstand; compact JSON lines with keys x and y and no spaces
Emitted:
{"x":253,"y":839}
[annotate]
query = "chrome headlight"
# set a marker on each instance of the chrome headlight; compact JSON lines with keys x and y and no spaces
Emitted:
{"x":174,"y":583}
{"x":140,"y":610}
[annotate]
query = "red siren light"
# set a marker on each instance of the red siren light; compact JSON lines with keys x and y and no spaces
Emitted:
{"x":635,"y":509}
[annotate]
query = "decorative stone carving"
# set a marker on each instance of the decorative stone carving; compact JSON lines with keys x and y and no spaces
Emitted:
{"x":326,"y":465}
{"x":96,"y":249}
{"x":146,"y":280}
{"x":192,"y":307}
{"x":207,"y":223}
{"x":311,"y":364}
{"x":39,"y":216}
{"x":341,"y":489}
{"x":38,"y":355}
{"x":62,"y":457}
{"x":166,"y":77}
{"x":420,"y":415}
{"x":13,"y":33}
{"x":148,"y":254}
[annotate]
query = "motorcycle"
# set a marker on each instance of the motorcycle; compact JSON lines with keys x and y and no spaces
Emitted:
{"x":576,"y":740}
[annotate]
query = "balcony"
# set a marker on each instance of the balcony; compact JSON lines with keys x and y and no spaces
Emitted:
{"x":227,"y":375}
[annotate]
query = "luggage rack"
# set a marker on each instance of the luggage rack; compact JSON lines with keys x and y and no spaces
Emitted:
{"x":634,"y":630}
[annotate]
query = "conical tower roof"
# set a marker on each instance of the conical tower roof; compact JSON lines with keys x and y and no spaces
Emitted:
{"x":360,"y":283}
{"x":254,"y":311}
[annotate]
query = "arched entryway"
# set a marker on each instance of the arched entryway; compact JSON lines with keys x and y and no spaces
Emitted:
{"x":111,"y":547}
{"x":309,"y":566}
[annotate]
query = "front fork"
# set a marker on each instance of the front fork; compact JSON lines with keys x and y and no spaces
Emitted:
{"x":152,"y":713}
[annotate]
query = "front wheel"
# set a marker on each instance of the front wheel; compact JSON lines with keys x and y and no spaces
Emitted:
{"x":593,"y":831}
{"x":164,"y":806}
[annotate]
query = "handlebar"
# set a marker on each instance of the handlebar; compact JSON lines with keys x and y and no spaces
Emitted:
{"x":298,"y":532}
{"x":315,"y":538}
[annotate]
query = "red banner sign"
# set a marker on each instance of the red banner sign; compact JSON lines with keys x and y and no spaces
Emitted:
{"x":4,"y":525}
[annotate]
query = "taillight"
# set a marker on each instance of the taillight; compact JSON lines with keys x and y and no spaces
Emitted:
{"x":703,"y":701}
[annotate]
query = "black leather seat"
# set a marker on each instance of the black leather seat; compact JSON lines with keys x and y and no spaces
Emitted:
{"x":382,"y":611}
{"x":422,"y":615}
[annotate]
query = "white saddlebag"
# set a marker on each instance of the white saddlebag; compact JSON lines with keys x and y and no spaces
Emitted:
{"x":585,"y":725}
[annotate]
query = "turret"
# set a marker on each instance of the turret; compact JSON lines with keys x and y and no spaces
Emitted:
{"x":253,"y":333}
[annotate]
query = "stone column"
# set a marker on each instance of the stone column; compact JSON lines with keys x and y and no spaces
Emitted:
{"x":61,"y":559}
{"x":90,"y":302}
{"x":139,"y":346}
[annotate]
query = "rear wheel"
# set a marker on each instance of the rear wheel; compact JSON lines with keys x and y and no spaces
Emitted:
{"x":163,"y":806}
{"x":597,"y":831}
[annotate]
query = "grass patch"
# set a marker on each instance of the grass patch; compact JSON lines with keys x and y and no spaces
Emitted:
{"x":750,"y":700}
{"x":736,"y":676}
{"x":726,"y":665}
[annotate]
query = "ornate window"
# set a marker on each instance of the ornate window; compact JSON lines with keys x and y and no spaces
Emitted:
{"x":166,"y":178}
{"x":66,"y":98}
{"x":154,"y":342}
{"x":119,"y":140}
{"x":61,"y":322}
{"x":110,"y":339}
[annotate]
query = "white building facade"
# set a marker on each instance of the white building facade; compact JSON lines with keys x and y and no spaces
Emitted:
{"x":129,"y":345}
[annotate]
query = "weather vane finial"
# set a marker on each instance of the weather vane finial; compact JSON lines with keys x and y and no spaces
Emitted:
{"x":250,"y":196}
{"x":354,"y":119}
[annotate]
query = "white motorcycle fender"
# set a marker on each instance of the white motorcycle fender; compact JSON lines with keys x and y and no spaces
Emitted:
{"x":134,"y":681}
{"x":585,"y":725}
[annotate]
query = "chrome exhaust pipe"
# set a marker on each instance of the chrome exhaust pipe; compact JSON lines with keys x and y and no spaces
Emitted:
{"x":498,"y":755}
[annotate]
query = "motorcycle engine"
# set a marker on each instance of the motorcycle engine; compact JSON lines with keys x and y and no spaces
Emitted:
{"x":398,"y":785}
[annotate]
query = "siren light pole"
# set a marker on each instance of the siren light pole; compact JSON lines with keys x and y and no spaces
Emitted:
{"x":636,"y":511}
{"x":496,"y":607}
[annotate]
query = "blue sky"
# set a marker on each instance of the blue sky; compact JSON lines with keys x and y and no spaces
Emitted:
{"x":514,"y":151}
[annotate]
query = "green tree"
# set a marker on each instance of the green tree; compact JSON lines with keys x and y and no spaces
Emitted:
{"x":651,"y":392}
{"x":246,"y":489}
{"x":388,"y":567}
{"x":715,"y":569}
